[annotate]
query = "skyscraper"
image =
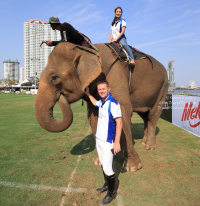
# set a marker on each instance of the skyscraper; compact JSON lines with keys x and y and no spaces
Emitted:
{"x":170,"y":72}
{"x":36,"y":57}
{"x":11,"y":70}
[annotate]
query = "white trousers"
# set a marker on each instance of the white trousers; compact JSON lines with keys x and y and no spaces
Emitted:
{"x":105,"y":155}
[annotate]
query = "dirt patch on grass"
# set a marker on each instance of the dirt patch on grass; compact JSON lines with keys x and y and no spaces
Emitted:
{"x":183,"y":153}
{"x":37,"y":165}
{"x":146,"y":185}
{"x":82,"y":199}
{"x":160,"y":167}
{"x":170,"y":202}
{"x":196,"y":151}
{"x":24,"y":160}
{"x":44,"y":175}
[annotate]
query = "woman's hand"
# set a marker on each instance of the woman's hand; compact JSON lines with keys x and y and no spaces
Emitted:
{"x":112,"y":41}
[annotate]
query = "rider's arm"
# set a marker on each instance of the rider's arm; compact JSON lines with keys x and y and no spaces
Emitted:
{"x":121,"y":34}
{"x":48,"y":43}
{"x":52,"y":43}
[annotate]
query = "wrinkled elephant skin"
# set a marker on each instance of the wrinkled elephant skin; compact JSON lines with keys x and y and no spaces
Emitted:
{"x":72,"y":68}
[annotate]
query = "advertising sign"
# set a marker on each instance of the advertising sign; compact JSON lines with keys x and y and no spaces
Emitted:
{"x":167,"y":109}
{"x":33,"y":91}
{"x":186,"y":113}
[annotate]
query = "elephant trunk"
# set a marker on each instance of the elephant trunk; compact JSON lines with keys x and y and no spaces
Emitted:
{"x":44,"y":112}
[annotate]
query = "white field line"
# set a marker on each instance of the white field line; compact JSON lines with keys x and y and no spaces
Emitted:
{"x":41,"y":187}
{"x":119,"y":200}
{"x":70,"y":182}
{"x":66,"y":190}
{"x":53,"y":188}
{"x":72,"y":175}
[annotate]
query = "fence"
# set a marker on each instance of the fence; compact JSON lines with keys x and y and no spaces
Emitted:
{"x":184,"y":112}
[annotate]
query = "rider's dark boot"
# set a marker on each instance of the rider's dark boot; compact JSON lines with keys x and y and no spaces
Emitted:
{"x":111,"y":194}
{"x":105,"y":186}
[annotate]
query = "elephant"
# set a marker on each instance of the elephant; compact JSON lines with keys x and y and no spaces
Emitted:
{"x":71,"y":68}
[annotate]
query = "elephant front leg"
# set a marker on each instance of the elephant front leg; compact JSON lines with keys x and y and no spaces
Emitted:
{"x":96,"y":160}
{"x":93,"y":118}
{"x":132,"y":160}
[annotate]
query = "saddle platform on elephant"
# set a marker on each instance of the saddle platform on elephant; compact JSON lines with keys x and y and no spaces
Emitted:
{"x":121,"y":52}
{"x":118,"y":50}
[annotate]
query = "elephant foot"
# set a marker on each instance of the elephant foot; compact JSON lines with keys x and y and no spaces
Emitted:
{"x":150,"y":147}
{"x":144,"y":140}
{"x":95,"y":160}
{"x":132,"y":164}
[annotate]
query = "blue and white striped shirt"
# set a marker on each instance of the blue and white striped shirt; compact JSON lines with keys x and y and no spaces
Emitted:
{"x":108,"y":112}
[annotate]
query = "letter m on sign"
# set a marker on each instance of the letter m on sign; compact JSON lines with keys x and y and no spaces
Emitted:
{"x":186,"y":112}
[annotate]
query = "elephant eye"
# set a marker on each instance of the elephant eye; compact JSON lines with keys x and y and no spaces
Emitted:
{"x":55,"y":80}
{"x":54,"y":77}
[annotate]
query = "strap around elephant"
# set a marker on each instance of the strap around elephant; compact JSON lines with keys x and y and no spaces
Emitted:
{"x":106,"y":73}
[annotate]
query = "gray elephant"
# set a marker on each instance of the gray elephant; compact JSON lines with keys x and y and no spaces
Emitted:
{"x":72,"y":68}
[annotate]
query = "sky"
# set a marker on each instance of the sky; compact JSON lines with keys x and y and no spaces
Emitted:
{"x":165,"y":29}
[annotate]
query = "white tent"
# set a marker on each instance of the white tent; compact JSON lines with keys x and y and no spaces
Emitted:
{"x":16,"y":85}
{"x":24,"y":82}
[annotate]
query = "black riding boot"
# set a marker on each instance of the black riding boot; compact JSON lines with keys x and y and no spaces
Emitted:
{"x":105,"y":186}
{"x":111,"y":194}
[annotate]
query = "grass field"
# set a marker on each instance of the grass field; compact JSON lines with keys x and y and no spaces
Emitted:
{"x":49,"y":169}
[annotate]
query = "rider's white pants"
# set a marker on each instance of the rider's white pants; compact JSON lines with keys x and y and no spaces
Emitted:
{"x":105,"y":153}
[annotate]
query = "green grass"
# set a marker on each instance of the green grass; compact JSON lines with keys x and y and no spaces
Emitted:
{"x":31,"y":155}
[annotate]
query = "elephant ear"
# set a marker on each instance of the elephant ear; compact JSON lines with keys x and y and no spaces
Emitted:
{"x":88,"y":65}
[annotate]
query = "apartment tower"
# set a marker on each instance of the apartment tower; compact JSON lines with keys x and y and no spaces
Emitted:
{"x":11,"y":70}
{"x":170,"y":72}
{"x":36,"y":57}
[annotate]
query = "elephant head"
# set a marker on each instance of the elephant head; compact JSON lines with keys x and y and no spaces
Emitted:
{"x":70,"y":69}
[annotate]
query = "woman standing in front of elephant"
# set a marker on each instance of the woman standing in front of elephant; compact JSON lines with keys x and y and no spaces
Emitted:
{"x":117,"y":34}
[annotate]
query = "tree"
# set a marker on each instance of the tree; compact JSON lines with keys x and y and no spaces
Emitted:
{"x":7,"y":82}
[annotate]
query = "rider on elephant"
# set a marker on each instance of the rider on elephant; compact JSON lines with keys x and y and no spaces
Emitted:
{"x":68,"y":33}
{"x":117,"y":35}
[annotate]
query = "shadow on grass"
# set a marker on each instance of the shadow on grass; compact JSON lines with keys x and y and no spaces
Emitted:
{"x":138,"y":130}
{"x":87,"y":145}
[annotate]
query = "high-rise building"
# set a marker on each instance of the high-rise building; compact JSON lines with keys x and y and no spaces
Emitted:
{"x":170,"y":72}
{"x":11,"y":69}
{"x":22,"y":76}
{"x":36,"y":57}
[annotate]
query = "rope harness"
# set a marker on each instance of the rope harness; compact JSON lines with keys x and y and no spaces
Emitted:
{"x":122,"y":55}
